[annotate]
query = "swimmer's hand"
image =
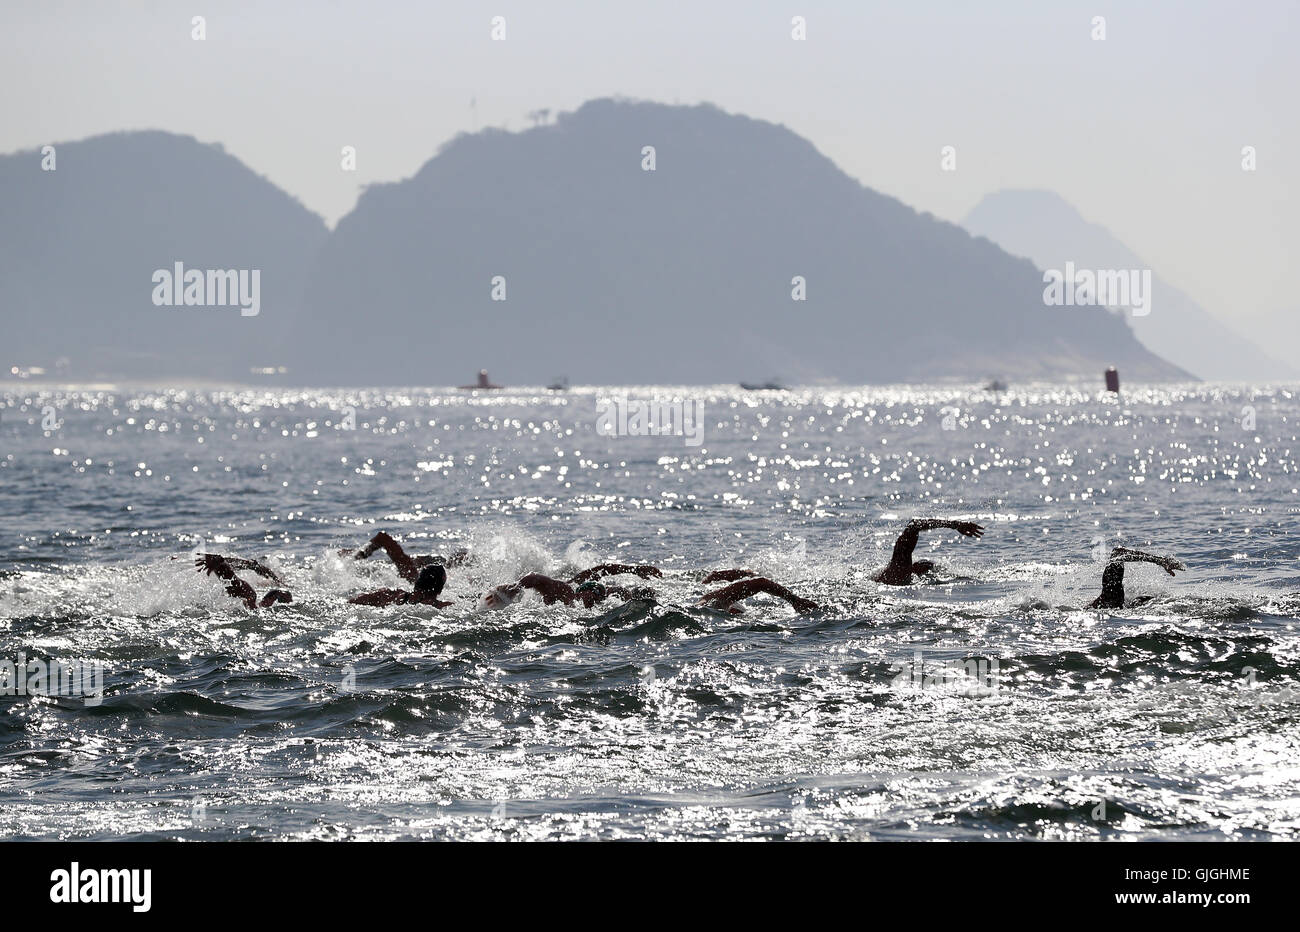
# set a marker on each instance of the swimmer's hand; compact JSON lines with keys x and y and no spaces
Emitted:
{"x":1170,"y":565}
{"x":804,"y":606}
{"x":216,"y":564}
{"x":213,"y":564}
{"x":969,"y":528}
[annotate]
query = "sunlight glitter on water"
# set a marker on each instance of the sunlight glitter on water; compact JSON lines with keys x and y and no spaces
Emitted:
{"x":323,"y":719}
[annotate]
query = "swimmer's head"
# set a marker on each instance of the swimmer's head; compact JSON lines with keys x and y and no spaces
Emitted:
{"x":921,"y":567}
{"x":431,"y":580}
{"x":591,"y":593}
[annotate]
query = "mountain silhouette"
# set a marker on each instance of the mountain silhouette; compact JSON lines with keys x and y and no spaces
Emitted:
{"x":611,"y":274}
{"x":615,"y":274}
{"x":1045,"y":228}
{"x":79,"y":246}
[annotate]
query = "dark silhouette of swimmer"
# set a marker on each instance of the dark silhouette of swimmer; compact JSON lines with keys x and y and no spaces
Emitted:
{"x":553,"y":590}
{"x":725,"y":599}
{"x":428,"y":586}
{"x":901,"y":568}
{"x":727,"y":575}
{"x":644,"y":570}
{"x":408,"y":567}
{"x":214,"y":564}
{"x":1112,"y":577}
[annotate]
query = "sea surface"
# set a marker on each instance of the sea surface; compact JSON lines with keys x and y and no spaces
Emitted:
{"x":987,"y":703}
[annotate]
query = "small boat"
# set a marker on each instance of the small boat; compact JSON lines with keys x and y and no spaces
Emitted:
{"x":483,"y":382}
{"x":763,"y":387}
{"x":997,"y":385}
{"x":559,"y":385}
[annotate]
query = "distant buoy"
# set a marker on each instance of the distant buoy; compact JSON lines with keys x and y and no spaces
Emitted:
{"x":483,"y":382}
{"x":1112,"y":380}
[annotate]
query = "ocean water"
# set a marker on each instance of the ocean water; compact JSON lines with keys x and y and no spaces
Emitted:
{"x":986,"y":703}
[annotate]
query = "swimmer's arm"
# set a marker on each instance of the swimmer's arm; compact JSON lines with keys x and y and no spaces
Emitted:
{"x":1125,"y":555}
{"x":458,"y":558}
{"x":214,"y":564}
{"x":552,"y":590}
{"x":242,"y":591}
{"x":406,"y":567}
{"x":739,"y":591}
{"x":261,"y":569}
{"x":899,"y":569}
{"x":379,"y":597}
{"x":906,"y":543}
{"x":276,"y":596}
{"x":917,"y":525}
{"x":727,"y":576}
{"x":644,"y":570}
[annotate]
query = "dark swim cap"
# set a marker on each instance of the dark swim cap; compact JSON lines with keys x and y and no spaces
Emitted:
{"x":594,"y":588}
{"x":431,"y":579}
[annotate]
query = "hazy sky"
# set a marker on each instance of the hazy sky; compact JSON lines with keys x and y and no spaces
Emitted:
{"x":1142,"y":132}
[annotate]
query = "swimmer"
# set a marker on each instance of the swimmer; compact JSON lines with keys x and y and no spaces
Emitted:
{"x":408,"y":567}
{"x":1112,"y":578}
{"x":901,"y":568}
{"x":725,"y":599}
{"x":553,"y":590}
{"x":214,"y":564}
{"x":428,"y":586}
